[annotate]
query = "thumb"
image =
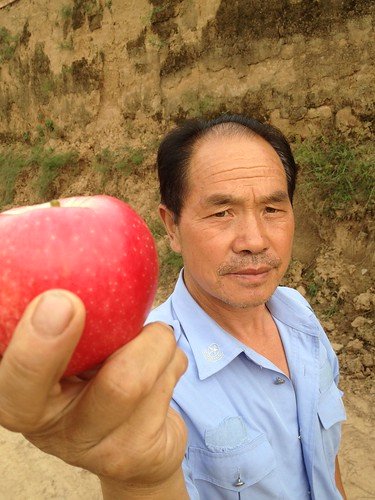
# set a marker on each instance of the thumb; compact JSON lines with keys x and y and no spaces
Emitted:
{"x":41,"y":347}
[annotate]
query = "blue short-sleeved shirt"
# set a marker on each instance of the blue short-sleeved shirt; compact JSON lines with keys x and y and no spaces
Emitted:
{"x":253,"y":432}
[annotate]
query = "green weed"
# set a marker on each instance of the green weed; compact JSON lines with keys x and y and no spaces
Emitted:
{"x":50,"y":165}
{"x":107,"y":162}
{"x":47,"y":86}
{"x":49,"y":124}
{"x":66,"y":12}
{"x":67,"y":44}
{"x":12,"y":163}
{"x":156,"y":227}
{"x":198,"y":106}
{"x":336,"y":174}
{"x":8,"y":44}
{"x":170,"y":266}
{"x":155,"y":41}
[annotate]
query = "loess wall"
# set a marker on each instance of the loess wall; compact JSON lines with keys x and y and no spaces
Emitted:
{"x":96,"y":69}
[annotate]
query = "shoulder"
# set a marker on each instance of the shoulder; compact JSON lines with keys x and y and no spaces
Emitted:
{"x":293,"y":296}
{"x":163,"y":312}
{"x":291,"y":301}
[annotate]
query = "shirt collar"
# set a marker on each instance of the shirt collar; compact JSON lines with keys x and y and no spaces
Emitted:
{"x":214,"y":348}
{"x":292,"y":311}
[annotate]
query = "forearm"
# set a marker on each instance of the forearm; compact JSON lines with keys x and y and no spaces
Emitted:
{"x":171,"y":489}
{"x":338,"y":480}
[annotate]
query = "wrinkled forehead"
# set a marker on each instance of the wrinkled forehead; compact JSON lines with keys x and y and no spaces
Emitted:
{"x":221,"y":152}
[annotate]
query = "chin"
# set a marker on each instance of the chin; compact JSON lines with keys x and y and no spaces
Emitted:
{"x":246,"y":302}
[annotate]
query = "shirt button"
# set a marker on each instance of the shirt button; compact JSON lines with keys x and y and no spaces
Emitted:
{"x":278,"y":381}
{"x":238,"y":483}
{"x":299,"y":437}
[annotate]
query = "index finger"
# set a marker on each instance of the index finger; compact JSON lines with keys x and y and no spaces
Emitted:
{"x":36,"y":357}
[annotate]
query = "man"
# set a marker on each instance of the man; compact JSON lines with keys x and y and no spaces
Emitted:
{"x":259,"y":398}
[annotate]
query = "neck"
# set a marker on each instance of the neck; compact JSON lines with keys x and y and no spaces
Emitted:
{"x":244,"y":323}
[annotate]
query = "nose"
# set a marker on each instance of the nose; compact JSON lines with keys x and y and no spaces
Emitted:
{"x":250,"y":235}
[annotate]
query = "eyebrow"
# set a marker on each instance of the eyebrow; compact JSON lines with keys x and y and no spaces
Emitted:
{"x":227,"y":199}
{"x":275,"y":197}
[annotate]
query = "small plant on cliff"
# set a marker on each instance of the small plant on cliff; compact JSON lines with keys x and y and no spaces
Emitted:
{"x":338,"y":176}
{"x":107,"y":162}
{"x":8,"y":44}
{"x":51,"y":165}
{"x":12,"y":162}
{"x":136,"y":156}
{"x":67,"y":44}
{"x":171,"y":265}
{"x":66,"y":12}
{"x":49,"y":124}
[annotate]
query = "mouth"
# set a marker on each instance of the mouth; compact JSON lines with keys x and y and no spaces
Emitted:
{"x":250,"y":275}
{"x":251,"y":271}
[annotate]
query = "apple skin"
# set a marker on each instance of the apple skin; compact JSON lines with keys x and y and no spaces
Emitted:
{"x":97,"y":247}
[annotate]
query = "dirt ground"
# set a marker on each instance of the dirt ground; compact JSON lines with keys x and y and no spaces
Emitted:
{"x":28,"y":474}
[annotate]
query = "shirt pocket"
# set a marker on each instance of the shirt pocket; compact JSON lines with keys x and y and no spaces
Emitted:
{"x":246,"y":472}
{"x":331,"y":413}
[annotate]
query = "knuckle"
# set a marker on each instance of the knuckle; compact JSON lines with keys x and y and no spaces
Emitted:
{"x":160,"y":328}
{"x":162,"y":337}
{"x":131,"y":391}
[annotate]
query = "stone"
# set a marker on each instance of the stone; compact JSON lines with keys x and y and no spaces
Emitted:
{"x":367,"y":335}
{"x":328,"y":325}
{"x":345,"y":119}
{"x":337,"y":347}
{"x":364,"y":301}
{"x":359,"y":322}
{"x":354,"y":345}
{"x":354,"y":366}
{"x":320,"y":113}
{"x":368,"y":360}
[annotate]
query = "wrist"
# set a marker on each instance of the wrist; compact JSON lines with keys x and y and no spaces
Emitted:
{"x":170,"y":489}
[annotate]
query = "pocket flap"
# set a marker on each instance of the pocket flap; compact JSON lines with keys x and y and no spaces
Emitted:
{"x":252,"y":462}
{"x":330,"y":407}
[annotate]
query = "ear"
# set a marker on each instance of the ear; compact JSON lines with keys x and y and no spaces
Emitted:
{"x":168,"y":218}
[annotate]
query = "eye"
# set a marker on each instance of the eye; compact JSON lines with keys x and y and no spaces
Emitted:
{"x":221,"y":214}
{"x":271,"y":210}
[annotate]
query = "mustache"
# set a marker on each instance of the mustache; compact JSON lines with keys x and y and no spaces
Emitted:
{"x":249,"y":261}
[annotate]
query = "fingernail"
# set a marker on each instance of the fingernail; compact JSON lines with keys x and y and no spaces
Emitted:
{"x":53,"y":314}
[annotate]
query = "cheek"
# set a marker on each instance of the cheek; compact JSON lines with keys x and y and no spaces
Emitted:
{"x":282,"y":235}
{"x":203,"y":252}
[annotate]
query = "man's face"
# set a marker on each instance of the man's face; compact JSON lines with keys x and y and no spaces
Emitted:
{"x":236,"y":227}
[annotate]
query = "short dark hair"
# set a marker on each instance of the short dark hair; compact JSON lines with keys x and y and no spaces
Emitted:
{"x":176,"y":150}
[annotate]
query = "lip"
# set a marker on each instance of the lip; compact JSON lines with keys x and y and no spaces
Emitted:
{"x":252,"y":271}
{"x":251,"y":276}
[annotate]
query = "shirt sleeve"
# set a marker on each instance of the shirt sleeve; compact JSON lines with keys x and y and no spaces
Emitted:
{"x":332,"y":356}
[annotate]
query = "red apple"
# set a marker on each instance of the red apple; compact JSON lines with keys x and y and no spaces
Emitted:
{"x":95,"y":246}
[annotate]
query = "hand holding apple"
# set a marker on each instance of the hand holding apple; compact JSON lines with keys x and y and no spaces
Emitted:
{"x":96,"y":247}
{"x":119,"y":424}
